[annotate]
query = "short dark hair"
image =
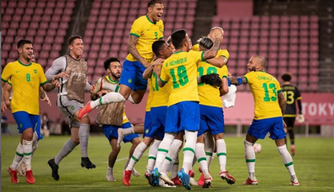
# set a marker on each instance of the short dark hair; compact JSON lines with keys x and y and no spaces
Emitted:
{"x":178,"y":38}
{"x":153,"y":2}
{"x":286,"y":77}
{"x":108,"y":61}
{"x":72,"y":38}
{"x":205,"y":42}
{"x":157,"y":46}
{"x":22,"y":42}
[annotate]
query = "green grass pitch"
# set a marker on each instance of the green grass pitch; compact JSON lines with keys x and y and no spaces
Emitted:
{"x":314,"y":165}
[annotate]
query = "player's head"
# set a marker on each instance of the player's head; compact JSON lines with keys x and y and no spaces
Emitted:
{"x":25,"y":49}
{"x":170,"y":43}
{"x":256,"y":63}
{"x":155,"y":9}
{"x":113,"y":67}
{"x":286,"y":77}
{"x":216,"y":30}
{"x":180,"y":39}
{"x":161,"y":49}
{"x":205,"y":43}
{"x":76,"y":45}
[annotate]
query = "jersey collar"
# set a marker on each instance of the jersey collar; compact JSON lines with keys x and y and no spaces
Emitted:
{"x":24,"y":64}
{"x":109,"y":79}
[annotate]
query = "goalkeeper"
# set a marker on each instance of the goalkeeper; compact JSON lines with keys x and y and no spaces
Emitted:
{"x":292,"y":96}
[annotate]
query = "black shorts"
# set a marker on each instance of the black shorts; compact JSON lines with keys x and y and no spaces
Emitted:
{"x":289,"y":121}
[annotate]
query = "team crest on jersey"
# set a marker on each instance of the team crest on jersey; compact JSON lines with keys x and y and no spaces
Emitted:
{"x":35,"y":71}
{"x":72,"y":107}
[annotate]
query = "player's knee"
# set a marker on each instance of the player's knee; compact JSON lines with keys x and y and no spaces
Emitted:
{"x":247,"y":143}
{"x":135,"y":141}
{"x":85,"y":120}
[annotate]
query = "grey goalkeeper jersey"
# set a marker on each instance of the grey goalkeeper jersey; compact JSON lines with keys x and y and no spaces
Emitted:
{"x":58,"y":66}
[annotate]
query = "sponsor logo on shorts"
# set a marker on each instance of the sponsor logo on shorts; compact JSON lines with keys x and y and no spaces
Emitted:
{"x":72,"y":107}
{"x":130,"y":80}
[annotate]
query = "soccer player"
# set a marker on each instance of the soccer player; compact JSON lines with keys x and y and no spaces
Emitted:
{"x":183,"y":108}
{"x":144,"y":31}
{"x":269,"y":105}
{"x":158,"y":115}
{"x":292,"y":96}
{"x":211,"y":112}
{"x":37,"y":135}
{"x":112,"y":116}
{"x":71,"y":69}
{"x":25,"y":77}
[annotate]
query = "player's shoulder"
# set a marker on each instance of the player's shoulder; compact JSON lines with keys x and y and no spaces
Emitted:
{"x":195,"y":47}
{"x":13,"y":63}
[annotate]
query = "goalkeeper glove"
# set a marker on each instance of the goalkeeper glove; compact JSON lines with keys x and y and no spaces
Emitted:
{"x":300,"y":118}
{"x":212,"y":79}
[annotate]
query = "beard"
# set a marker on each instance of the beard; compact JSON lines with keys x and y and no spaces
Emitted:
{"x":116,"y":75}
{"x":252,"y":69}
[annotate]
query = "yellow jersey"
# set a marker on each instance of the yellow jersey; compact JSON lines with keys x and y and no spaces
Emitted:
{"x":195,"y":47}
{"x":265,"y":89}
{"x":210,"y":95}
{"x":150,"y":95}
{"x":25,"y":81}
{"x":148,"y":32}
{"x":181,"y":69}
{"x":161,"y":94}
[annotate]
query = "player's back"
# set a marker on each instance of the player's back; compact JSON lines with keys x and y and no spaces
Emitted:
{"x":161,"y":94}
{"x":210,"y":95}
{"x":265,"y":89}
{"x":291,"y":94}
{"x":181,"y":69}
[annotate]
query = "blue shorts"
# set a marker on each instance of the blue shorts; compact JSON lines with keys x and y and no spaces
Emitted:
{"x":111,"y":131}
{"x":260,"y":128}
{"x":147,"y":123}
{"x":182,"y":116}
{"x":158,"y":120}
{"x":132,"y":75}
{"x":212,"y":119}
{"x":24,"y":121}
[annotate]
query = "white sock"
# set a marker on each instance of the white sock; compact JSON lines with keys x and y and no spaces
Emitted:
{"x":152,"y":155}
{"x":18,"y":156}
{"x":27,"y":149}
{"x":34,"y":142}
{"x":287,"y":159}
{"x":131,"y":100}
{"x":208,"y":147}
{"x":250,"y":158}
{"x":127,"y":131}
{"x":175,"y":167}
{"x":111,"y":97}
{"x":201,"y":158}
{"x":140,"y":149}
{"x":83,"y":137}
{"x":173,"y":149}
{"x":163,"y":149}
{"x":189,"y":150}
{"x":221,"y":152}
